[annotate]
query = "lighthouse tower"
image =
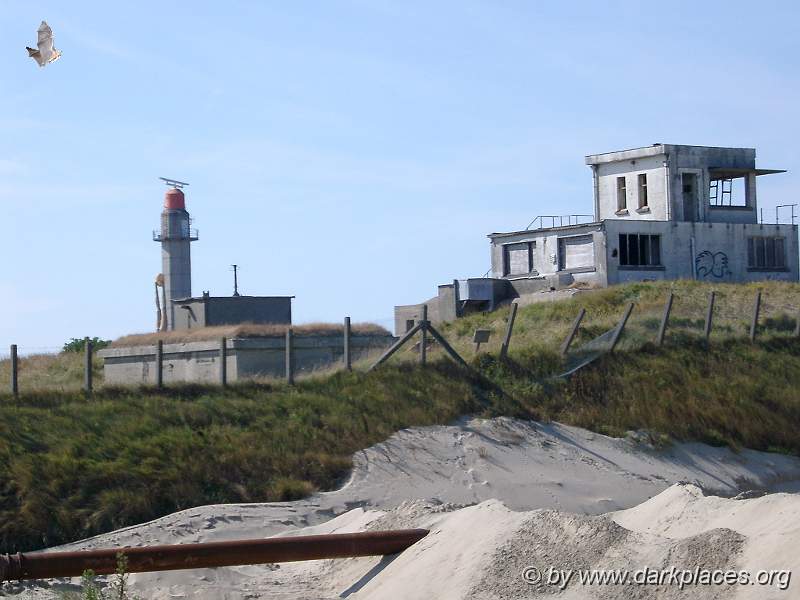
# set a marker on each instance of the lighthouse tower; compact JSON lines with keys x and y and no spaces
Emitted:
{"x":175,"y":237}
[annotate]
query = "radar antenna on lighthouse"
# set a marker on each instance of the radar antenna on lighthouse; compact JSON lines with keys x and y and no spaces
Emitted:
{"x":173,"y":183}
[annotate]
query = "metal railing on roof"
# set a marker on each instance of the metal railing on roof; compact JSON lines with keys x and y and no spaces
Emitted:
{"x":546,"y":221}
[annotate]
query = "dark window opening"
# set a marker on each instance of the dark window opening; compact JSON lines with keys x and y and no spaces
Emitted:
{"x":409,"y":325}
{"x":639,"y":250}
{"x":766,"y":253}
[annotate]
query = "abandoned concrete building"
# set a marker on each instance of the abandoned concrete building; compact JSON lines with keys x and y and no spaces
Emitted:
{"x":660,"y":212}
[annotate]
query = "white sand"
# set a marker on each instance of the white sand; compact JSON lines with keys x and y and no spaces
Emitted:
{"x":501,"y":467}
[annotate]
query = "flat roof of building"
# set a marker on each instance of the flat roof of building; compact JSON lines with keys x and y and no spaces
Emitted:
{"x":652,"y":150}
{"x":544,"y":229}
{"x":202,"y":298}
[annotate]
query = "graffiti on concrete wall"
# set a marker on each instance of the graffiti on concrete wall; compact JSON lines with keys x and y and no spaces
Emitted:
{"x":711,"y":264}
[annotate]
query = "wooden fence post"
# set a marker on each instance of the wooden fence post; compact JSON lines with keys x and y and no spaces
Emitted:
{"x":797,"y":326}
{"x":572,"y":332}
{"x":662,"y":330}
{"x":14,"y":371}
{"x":223,"y":362}
{"x":289,"y":356}
{"x":160,"y":364}
{"x":709,"y":316}
{"x":620,"y":327}
{"x":348,"y":361}
{"x":87,"y":366}
{"x":754,"y":322}
{"x":397,"y":345}
{"x":423,"y":344}
{"x":509,"y":331}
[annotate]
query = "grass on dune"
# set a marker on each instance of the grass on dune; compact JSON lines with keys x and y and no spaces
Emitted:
{"x":72,"y":467}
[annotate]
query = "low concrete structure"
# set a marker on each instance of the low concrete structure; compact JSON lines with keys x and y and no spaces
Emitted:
{"x":247,"y":358}
{"x":660,"y":212}
{"x":210,"y":311}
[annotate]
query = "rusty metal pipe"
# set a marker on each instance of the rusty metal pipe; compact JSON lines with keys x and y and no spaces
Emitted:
{"x":42,"y":565}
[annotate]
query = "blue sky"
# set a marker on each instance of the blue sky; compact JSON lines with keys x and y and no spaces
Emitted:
{"x":354,"y":154}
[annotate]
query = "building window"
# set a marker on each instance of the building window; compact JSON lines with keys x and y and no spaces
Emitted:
{"x":766,"y":253}
{"x":727,"y":192}
{"x":643,"y":190}
{"x":518,"y":258}
{"x":622,"y":195}
{"x":639,"y":250}
{"x":409,"y":325}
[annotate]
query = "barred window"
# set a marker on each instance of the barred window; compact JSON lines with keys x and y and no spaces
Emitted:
{"x":766,"y":253}
{"x":639,"y":250}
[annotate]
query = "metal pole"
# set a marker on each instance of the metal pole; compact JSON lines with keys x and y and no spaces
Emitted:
{"x":87,"y":367}
{"x":348,"y":363}
{"x":423,"y":347}
{"x":223,"y":362}
{"x":397,"y":345}
{"x":709,"y":315}
{"x":143,"y":559}
{"x":289,"y":356}
{"x":620,"y":327}
{"x":160,"y":364}
{"x":509,"y":330}
{"x":754,"y":322}
{"x":14,"y":371}
{"x":662,"y":330}
{"x":572,"y":332}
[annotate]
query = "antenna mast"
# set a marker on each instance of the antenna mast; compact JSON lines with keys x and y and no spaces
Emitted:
{"x":235,"y":280}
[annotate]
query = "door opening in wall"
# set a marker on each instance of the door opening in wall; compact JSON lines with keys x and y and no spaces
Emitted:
{"x":690,"y":204}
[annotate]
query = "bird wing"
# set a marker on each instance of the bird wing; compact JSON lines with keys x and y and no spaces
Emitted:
{"x":35,"y":55}
{"x":45,"y":41}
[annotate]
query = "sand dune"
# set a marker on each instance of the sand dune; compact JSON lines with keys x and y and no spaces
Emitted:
{"x":498,"y":495}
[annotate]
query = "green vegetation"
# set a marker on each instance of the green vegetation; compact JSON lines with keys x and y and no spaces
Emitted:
{"x":79,"y":344}
{"x":72,"y":467}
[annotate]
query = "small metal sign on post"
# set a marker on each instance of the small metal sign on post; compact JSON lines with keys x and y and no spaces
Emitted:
{"x":481,"y":336}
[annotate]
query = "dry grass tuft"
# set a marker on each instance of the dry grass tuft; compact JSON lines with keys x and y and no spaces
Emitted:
{"x":244,"y":330}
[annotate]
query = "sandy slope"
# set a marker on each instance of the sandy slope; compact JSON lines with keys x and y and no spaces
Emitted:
{"x":502,"y":467}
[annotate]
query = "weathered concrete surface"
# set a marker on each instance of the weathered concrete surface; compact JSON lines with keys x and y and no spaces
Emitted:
{"x":246,"y":358}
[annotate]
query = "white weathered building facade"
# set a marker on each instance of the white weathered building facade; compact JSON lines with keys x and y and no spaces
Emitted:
{"x":660,"y":212}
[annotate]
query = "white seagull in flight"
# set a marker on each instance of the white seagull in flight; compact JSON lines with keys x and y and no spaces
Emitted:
{"x":46,"y":53}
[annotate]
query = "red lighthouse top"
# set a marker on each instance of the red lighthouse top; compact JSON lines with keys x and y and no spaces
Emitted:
{"x":174,"y":199}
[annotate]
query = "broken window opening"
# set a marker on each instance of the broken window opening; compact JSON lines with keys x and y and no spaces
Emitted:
{"x":643,"y":190}
{"x":622,"y":195}
{"x":727,"y":192}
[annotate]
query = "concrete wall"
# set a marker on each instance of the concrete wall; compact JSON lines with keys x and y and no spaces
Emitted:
{"x":176,"y":263}
{"x":709,"y":251}
{"x":655,"y":171}
{"x":546,"y":256}
{"x":233,"y":310}
{"x":247,"y":358}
